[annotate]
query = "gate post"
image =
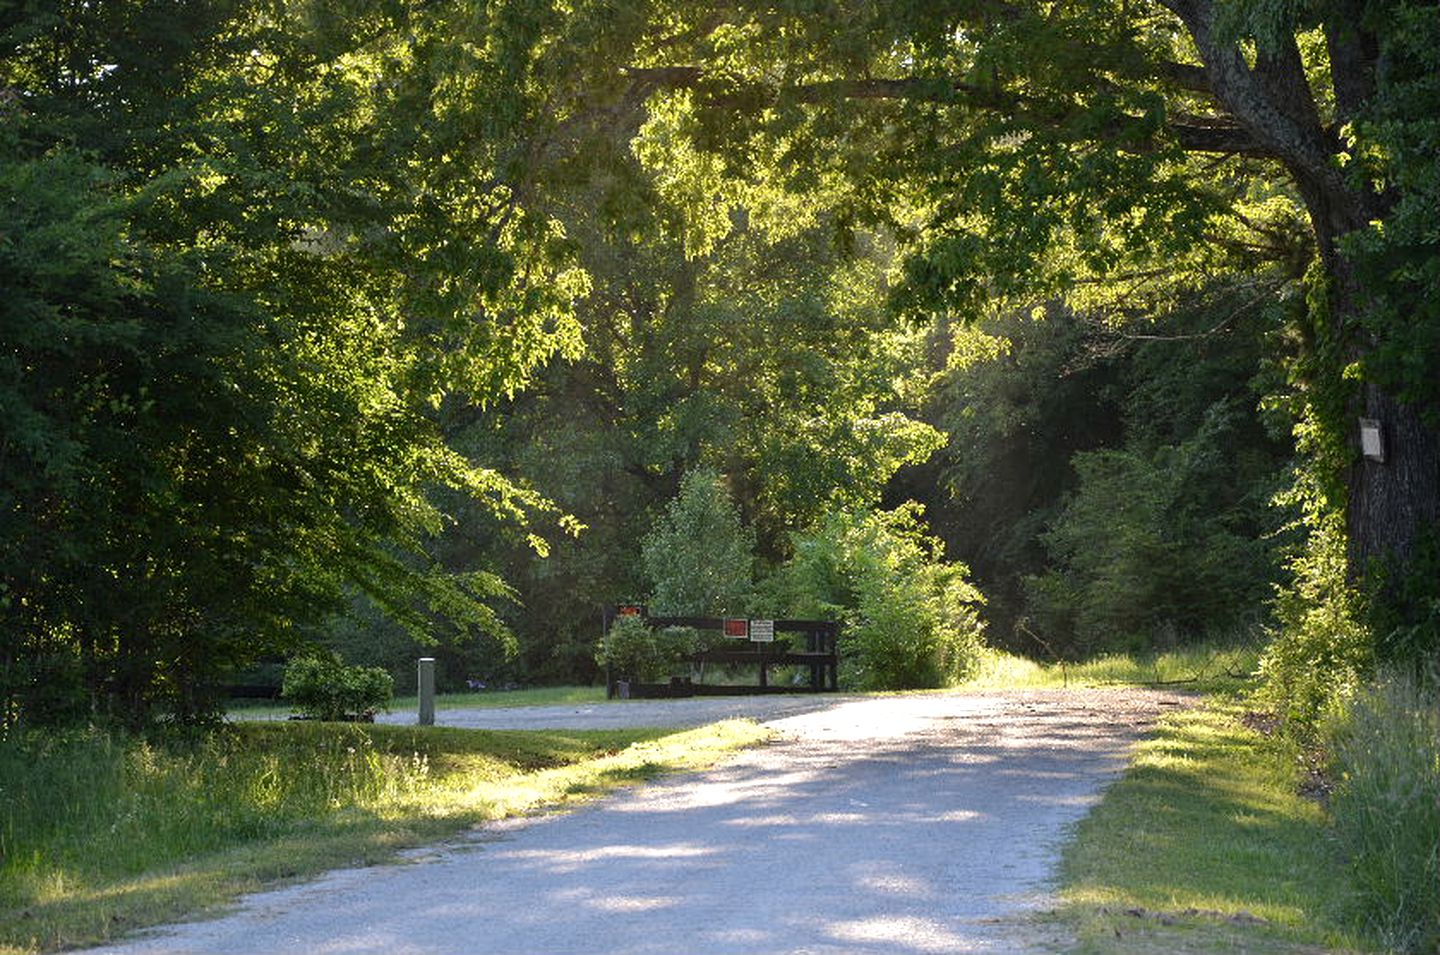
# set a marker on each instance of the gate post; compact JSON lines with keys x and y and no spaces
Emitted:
{"x":425,"y":682}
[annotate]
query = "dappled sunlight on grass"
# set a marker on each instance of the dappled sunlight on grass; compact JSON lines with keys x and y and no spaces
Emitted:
{"x":1204,"y":833}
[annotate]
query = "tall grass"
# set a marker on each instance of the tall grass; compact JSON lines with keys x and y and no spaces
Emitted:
{"x":1386,"y":753}
{"x":87,"y":804}
{"x":101,"y":833}
{"x":1205,"y":667}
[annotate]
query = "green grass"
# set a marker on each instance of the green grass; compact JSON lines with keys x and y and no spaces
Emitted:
{"x":1385,"y":751}
{"x":537,"y":696}
{"x":1205,"y":846}
{"x":100,"y":835}
{"x":1205,"y":668}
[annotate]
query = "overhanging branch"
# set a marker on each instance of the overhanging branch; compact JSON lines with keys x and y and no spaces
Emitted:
{"x":1192,"y":133}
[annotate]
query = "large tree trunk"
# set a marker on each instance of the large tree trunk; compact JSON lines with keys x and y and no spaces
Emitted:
{"x":1393,"y":497}
{"x":1393,"y":502}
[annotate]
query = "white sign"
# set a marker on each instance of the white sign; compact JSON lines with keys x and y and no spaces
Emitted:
{"x":1372,"y":440}
{"x":762,"y":631}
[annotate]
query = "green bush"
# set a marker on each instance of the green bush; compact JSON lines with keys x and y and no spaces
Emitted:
{"x":911,"y":619}
{"x":1159,"y":544}
{"x":323,"y":688}
{"x":634,"y":650}
{"x":1321,"y":650}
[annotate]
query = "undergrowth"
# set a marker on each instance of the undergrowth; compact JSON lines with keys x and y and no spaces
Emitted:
{"x":1202,"y":667}
{"x":1386,"y":807}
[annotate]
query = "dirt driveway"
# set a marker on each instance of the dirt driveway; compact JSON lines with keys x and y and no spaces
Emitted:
{"x":911,"y":824}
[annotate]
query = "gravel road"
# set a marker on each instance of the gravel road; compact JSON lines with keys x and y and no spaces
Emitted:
{"x":906,"y":825}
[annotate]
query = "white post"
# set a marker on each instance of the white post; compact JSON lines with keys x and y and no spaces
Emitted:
{"x":426,"y":682}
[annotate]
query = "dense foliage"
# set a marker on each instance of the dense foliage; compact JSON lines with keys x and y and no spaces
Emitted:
{"x":1122,"y":157}
{"x":320,"y":687}
{"x":331,"y":322}
{"x":633,"y":650}
{"x":310,"y":313}
{"x":1111,"y":483}
{"x":236,"y":283}
{"x":698,"y":557}
{"x":911,"y":619}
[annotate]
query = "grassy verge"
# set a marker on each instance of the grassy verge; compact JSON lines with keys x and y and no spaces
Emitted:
{"x":1205,"y":668}
{"x":1205,"y":846}
{"x":1385,"y":753}
{"x":538,"y":696}
{"x":99,"y":836}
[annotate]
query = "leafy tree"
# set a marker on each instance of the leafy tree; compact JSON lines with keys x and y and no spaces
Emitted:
{"x":237,"y":279}
{"x":698,"y":556}
{"x":287,"y":291}
{"x":1076,"y":438}
{"x":769,"y":358}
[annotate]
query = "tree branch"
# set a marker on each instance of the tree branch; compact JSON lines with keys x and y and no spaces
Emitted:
{"x":1354,"y":53}
{"x":1193,"y":133}
{"x":1265,"y":101}
{"x":1204,"y":135}
{"x":1185,"y":76}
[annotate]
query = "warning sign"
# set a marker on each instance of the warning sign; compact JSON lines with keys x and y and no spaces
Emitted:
{"x":762,"y":631}
{"x":737,"y":628}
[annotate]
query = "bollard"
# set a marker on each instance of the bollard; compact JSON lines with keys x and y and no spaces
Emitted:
{"x":425,"y":680}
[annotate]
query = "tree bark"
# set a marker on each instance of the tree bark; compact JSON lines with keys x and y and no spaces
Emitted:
{"x":1391,"y":503}
{"x":1394,"y":502}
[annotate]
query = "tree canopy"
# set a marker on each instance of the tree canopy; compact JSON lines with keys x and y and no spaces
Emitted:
{"x":306,"y":307}
{"x":1122,"y":157}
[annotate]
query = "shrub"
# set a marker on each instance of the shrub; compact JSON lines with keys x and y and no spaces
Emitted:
{"x":1386,"y":754}
{"x":1159,"y":543}
{"x":911,"y":619}
{"x":323,"y":688}
{"x":634,"y":650}
{"x":1321,"y":650}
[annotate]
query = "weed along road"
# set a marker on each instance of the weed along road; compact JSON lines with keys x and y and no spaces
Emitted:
{"x":908,"y":824}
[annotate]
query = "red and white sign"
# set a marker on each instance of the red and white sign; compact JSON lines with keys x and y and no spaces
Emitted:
{"x":737,"y":628}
